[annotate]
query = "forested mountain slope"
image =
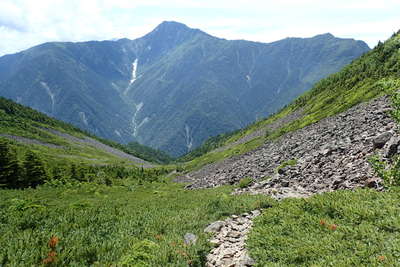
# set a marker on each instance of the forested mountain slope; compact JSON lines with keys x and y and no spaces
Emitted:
{"x":174,"y":87}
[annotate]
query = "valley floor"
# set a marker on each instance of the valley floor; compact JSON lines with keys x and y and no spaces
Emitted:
{"x":127,"y":224}
{"x":145,"y":225}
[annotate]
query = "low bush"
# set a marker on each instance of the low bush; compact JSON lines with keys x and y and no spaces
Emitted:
{"x":245,"y":182}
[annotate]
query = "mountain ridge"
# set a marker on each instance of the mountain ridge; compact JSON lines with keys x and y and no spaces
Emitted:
{"x":169,"y":88}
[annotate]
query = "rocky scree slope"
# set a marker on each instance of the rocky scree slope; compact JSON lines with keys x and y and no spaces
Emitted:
{"x":172,"y":88}
{"x":328,"y":155}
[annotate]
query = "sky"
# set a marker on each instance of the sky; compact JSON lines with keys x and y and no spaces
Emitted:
{"x":25,"y":23}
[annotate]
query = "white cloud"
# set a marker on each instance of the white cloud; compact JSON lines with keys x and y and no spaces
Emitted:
{"x":24,"y":23}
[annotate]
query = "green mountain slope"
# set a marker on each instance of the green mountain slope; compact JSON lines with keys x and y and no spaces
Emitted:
{"x":174,"y":87}
{"x":57,"y":141}
{"x":373,"y":74}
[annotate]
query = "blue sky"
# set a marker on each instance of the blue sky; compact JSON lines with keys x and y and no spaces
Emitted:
{"x":25,"y":23}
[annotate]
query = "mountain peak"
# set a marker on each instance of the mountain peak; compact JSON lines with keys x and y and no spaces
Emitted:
{"x":172,"y":32}
{"x":171,"y":27}
{"x":171,"y":23}
{"x":325,"y":35}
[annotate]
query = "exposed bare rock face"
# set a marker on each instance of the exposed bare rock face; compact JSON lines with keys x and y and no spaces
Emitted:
{"x":329,"y":155}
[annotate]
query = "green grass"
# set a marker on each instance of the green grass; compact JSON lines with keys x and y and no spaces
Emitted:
{"x":144,"y":225}
{"x":101,"y":225}
{"x":245,"y":182}
{"x":212,"y":157}
{"x":301,"y":232}
{"x":71,"y":153}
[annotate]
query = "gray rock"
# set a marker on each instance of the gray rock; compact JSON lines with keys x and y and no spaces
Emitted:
{"x":281,"y":171}
{"x":372,"y":183}
{"x":392,"y":146}
{"x":256,"y":213}
{"x":214,"y":227}
{"x":381,"y":139}
{"x":190,"y":239}
{"x":234,"y":234}
{"x":285,"y":183}
{"x":246,"y":261}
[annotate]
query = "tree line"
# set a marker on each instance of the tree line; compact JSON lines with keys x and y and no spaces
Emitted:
{"x":31,"y":170}
{"x":13,"y":174}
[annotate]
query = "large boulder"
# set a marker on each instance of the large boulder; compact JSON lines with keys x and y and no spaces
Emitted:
{"x":381,"y":139}
{"x":392,"y":147}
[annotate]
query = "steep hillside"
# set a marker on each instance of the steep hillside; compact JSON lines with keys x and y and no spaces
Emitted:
{"x":172,"y":88}
{"x":373,"y":74}
{"x":57,"y":141}
{"x":328,"y":155}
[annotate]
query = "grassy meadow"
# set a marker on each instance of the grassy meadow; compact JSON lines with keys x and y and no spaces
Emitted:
{"x":127,"y":224}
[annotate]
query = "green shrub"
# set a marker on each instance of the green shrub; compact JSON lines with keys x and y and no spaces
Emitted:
{"x":291,"y":162}
{"x":141,"y":254}
{"x":245,"y":182}
{"x":389,"y":172}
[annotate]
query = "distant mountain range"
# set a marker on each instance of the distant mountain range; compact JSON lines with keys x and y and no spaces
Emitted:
{"x":172,"y":88}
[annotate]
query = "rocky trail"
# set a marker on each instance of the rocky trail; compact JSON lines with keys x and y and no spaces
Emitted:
{"x":229,"y":241}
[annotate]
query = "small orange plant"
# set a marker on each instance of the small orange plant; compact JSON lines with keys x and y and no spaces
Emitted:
{"x":158,"y":237}
{"x":182,"y":253}
{"x":52,"y":255}
{"x":332,"y":227}
{"x":53,"y":242}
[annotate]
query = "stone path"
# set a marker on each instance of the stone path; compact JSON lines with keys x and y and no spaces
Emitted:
{"x":229,"y":241}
